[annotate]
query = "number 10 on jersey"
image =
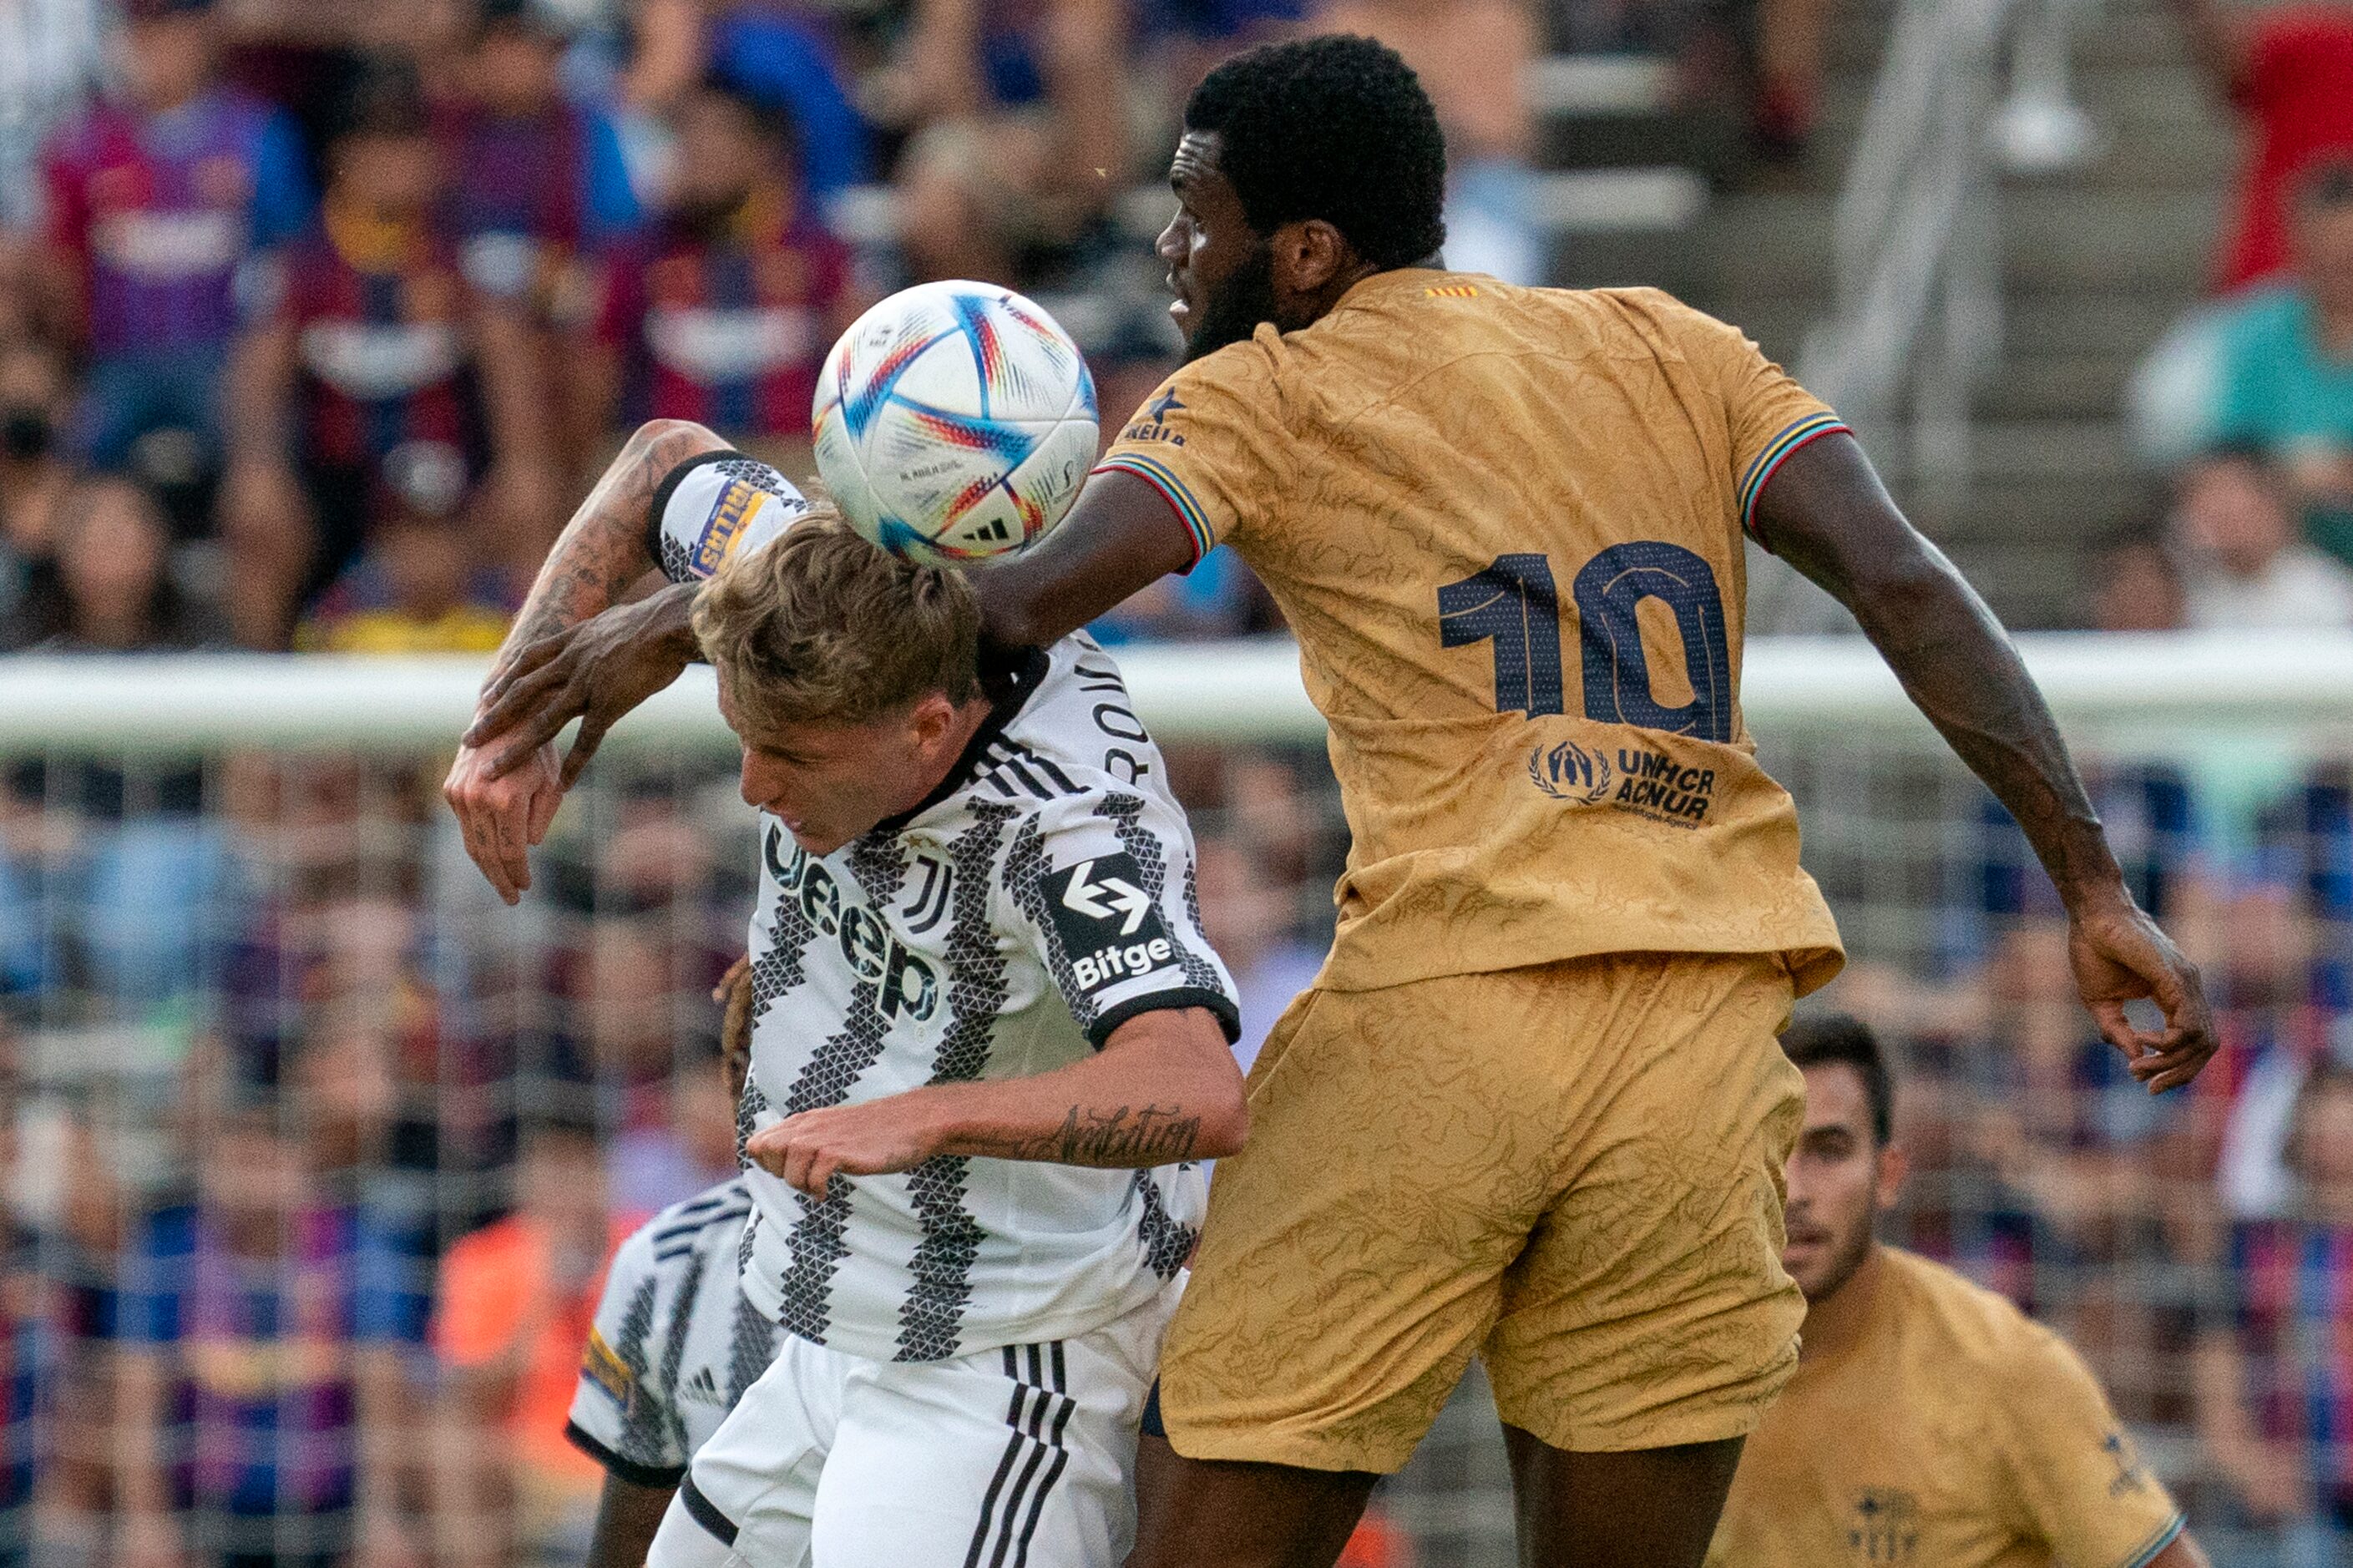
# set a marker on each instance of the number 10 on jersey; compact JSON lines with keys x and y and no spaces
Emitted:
{"x":1515,"y":605}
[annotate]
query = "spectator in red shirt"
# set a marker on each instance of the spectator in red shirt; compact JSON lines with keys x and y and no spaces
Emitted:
{"x":2289,"y":73}
{"x":724,"y":313}
{"x":379,"y":364}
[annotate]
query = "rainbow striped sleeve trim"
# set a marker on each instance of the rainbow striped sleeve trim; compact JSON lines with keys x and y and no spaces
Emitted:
{"x":1814,"y":426}
{"x":2157,"y":1543}
{"x":1159,"y":475}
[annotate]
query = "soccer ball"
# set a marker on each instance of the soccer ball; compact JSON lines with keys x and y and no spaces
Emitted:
{"x":955,"y":421}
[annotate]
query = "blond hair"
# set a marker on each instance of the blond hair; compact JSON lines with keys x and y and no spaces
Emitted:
{"x":820,"y":626}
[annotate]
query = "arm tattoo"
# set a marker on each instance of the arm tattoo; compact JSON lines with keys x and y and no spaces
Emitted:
{"x":603,"y":549}
{"x":1120,"y":1139}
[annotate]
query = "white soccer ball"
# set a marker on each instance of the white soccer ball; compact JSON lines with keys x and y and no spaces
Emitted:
{"x":955,"y":421}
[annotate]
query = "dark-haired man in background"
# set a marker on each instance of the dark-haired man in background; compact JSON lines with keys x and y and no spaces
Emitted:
{"x":1534,"y":1108}
{"x":723,"y":312}
{"x":1930,"y":1420}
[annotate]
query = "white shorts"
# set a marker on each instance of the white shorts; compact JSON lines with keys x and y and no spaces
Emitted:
{"x":1019,"y":1456}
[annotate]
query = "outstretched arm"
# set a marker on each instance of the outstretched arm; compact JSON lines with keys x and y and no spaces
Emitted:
{"x":506,"y":783}
{"x":1826,"y":513}
{"x":627,"y":1515}
{"x":565,"y":662}
{"x":1120,"y":538}
{"x":1164,"y":1089}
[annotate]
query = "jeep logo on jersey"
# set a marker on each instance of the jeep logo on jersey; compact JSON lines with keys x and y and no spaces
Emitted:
{"x":1107,"y":924}
{"x":905,"y":984}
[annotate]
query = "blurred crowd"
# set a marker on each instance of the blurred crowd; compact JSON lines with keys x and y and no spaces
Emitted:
{"x":322,"y":315}
{"x":2198,"y":1247}
{"x":2246,"y":405}
{"x":316,"y":1152}
{"x":316,"y":316}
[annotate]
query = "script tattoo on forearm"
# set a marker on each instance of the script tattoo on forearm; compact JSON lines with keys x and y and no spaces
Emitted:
{"x":602,"y":549}
{"x":1124,"y":1138}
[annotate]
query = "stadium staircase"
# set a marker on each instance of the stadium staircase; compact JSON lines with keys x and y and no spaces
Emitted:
{"x":2095,"y":263}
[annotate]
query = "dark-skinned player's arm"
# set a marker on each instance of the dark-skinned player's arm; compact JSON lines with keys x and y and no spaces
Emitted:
{"x":1163,"y":1088}
{"x":628,"y":1515}
{"x":1826,"y":513}
{"x":1122,"y":536}
{"x":505,"y":786}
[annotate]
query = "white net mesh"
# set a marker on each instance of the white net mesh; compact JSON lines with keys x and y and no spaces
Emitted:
{"x":278,"y":1060}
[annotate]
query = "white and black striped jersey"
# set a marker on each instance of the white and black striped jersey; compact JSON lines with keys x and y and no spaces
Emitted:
{"x":1041,"y":896}
{"x":675,"y":1343}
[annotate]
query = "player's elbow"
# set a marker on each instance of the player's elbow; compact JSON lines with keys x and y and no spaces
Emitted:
{"x":1225,"y":1122}
{"x":675,"y":439}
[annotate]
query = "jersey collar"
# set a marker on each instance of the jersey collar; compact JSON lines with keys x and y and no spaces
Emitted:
{"x":1010,"y":676}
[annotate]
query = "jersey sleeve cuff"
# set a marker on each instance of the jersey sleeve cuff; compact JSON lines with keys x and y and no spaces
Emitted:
{"x":629,"y":1470}
{"x":669,"y":488}
{"x":1812,"y":428}
{"x":2157,"y":1543}
{"x":1221,"y":1005}
{"x":1174,"y":491}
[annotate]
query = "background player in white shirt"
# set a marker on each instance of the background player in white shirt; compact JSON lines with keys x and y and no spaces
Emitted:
{"x":988,"y":1038}
{"x":675,"y":1343}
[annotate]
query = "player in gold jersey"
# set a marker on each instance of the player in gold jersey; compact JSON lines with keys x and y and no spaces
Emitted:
{"x":1930,"y":1421}
{"x":1533,"y":1108}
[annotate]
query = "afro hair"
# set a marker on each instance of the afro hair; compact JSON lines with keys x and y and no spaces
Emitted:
{"x":1335,"y":128}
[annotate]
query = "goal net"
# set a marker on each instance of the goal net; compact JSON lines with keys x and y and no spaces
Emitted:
{"x":248,"y":972}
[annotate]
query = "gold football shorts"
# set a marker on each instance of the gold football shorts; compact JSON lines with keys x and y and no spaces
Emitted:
{"x":1573,"y":1171}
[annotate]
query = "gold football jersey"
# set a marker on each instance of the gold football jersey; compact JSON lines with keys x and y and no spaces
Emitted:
{"x":1954,"y":1432}
{"x":1506,"y":525}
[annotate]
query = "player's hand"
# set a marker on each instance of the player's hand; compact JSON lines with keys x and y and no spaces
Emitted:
{"x":808,"y":1151}
{"x":503,"y":817}
{"x":594,"y":671}
{"x":2119,"y":955}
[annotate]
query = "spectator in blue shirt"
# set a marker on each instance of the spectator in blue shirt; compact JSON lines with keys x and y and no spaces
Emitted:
{"x":768,"y":53}
{"x":25,"y":1350}
{"x":260,"y":1375}
{"x":1021,"y":141}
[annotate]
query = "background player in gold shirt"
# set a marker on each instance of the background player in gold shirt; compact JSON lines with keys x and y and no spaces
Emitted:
{"x":1930,"y":1422}
{"x":1534,"y":1108}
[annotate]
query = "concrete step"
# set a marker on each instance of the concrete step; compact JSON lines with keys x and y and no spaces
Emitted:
{"x":2104,"y":239}
{"x":2154,"y":134}
{"x":2043,"y":387}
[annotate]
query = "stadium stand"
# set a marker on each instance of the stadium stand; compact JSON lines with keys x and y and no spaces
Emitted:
{"x":232,"y":916}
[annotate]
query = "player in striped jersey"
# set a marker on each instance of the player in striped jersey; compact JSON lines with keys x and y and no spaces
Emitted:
{"x":988,"y":1039}
{"x":675,"y":1343}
